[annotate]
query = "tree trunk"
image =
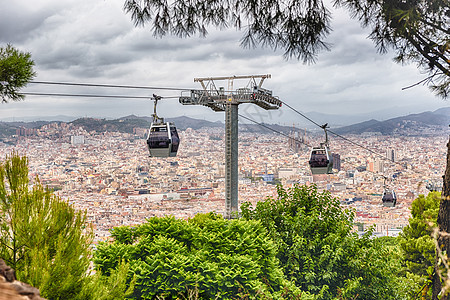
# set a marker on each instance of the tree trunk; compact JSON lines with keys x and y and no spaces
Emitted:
{"x":443,"y":222}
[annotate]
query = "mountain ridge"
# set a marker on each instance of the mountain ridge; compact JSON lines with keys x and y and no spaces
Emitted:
{"x":418,"y":123}
{"x":421,"y":123}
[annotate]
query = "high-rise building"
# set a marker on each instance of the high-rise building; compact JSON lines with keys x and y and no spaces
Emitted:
{"x":77,"y":140}
{"x":337,"y":161}
{"x":22,"y":131}
{"x":391,"y":154}
{"x":375,"y":165}
{"x":296,"y":140}
{"x":378,"y":166}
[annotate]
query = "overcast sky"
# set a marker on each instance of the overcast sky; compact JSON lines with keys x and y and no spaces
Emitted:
{"x":94,"y":41}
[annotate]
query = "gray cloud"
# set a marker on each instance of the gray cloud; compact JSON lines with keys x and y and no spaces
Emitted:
{"x":95,"y":42}
{"x":19,"y":19}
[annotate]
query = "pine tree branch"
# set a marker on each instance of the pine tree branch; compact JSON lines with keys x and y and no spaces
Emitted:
{"x":435,"y":26}
{"x":416,"y":45}
{"x":424,"y":40}
{"x":421,"y":81}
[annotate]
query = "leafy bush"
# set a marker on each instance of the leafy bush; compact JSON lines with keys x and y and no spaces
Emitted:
{"x":319,"y":250}
{"x":216,"y":258}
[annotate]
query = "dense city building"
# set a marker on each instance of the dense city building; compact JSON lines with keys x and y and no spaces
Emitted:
{"x":110,"y":174}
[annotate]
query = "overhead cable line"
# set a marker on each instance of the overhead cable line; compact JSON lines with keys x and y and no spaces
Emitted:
{"x":174,"y":89}
{"x":359,"y":145}
{"x":340,"y":136}
{"x":91,"y":95}
{"x":274,"y":130}
{"x":109,"y":85}
{"x":367,"y":149}
{"x":301,"y":114}
{"x":281,"y":133}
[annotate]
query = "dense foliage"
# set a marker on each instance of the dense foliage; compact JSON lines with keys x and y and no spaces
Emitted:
{"x":320,"y":252}
{"x":417,"y":244}
{"x":115,"y":286}
{"x":207,"y":256}
{"x":417,"y":30}
{"x":415,"y":239}
{"x":16,"y":70}
{"x":41,"y":236}
{"x":297,"y":26}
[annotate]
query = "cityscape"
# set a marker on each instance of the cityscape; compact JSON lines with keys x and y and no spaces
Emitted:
{"x":152,"y":155}
{"x":112,"y":177}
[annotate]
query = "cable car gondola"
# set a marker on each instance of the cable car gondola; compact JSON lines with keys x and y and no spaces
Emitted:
{"x":321,"y":158}
{"x":163,"y":139}
{"x":389,"y":198}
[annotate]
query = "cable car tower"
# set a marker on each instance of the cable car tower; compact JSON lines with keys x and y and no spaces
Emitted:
{"x":228,"y":101}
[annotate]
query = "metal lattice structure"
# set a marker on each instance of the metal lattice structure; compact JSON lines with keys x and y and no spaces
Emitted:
{"x":219,"y":99}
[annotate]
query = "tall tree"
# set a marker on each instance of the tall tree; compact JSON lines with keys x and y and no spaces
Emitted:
{"x":320,"y":252}
{"x":42,"y":237}
{"x":443,"y":236}
{"x":16,"y":70}
{"x":416,"y":241}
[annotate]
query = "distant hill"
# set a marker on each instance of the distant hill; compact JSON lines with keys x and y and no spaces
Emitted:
{"x":185,"y":122}
{"x":117,"y":125}
{"x":265,"y":128}
{"x":359,"y":127}
{"x":413,"y":124}
{"x":6,"y":129}
{"x":347,"y":119}
{"x":40,"y":118}
{"x":182,"y":123}
{"x":443,"y":111}
{"x":33,"y":124}
{"x":127,"y":123}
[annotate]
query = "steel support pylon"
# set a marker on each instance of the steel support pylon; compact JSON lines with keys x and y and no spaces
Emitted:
{"x":220,"y":100}
{"x":231,"y":160}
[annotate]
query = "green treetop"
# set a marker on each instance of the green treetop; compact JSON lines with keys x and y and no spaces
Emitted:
{"x":319,"y":250}
{"x":416,"y":242}
{"x":206,"y":257}
{"x":41,"y":236}
{"x":16,"y":70}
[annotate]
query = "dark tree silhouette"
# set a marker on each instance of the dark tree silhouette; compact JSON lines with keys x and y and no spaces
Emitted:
{"x":16,"y":70}
{"x":297,"y":26}
{"x":417,"y":30}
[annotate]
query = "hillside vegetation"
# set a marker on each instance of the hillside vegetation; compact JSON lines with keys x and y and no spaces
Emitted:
{"x":300,"y":245}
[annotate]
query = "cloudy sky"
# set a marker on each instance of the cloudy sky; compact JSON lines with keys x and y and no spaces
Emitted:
{"x":94,"y":41}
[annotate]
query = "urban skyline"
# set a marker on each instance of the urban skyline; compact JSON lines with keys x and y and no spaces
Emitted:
{"x":111,"y":175}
